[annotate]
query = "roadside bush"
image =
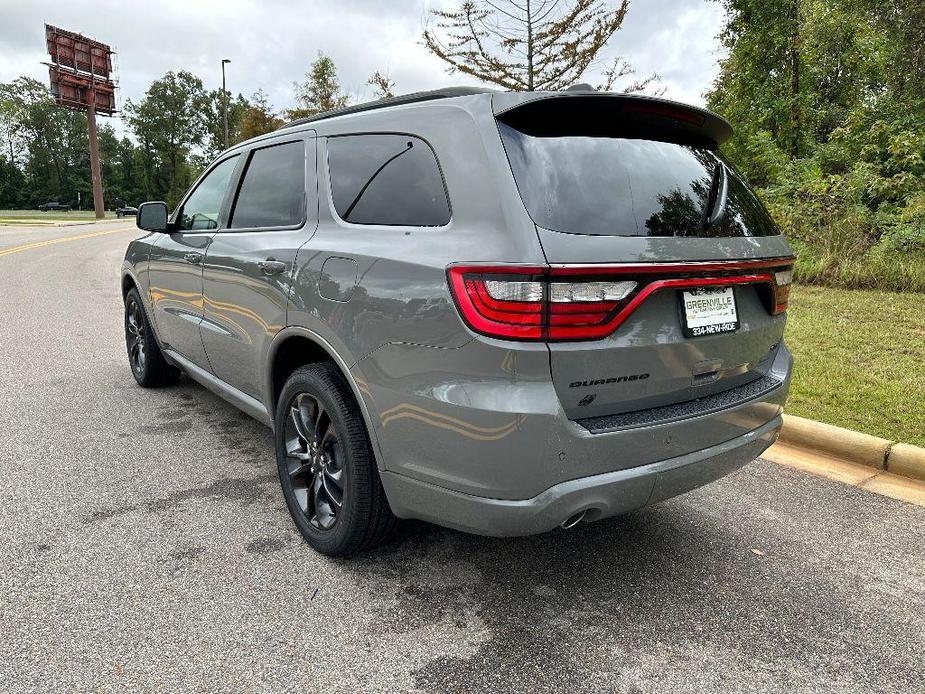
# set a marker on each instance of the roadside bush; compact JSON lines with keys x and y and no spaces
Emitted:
{"x":855,"y":208}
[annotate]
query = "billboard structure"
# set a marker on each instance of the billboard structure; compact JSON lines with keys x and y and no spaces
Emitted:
{"x":80,"y":76}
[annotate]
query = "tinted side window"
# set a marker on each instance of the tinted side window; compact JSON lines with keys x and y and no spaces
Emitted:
{"x":272,"y":193}
{"x":386,"y":179}
{"x":200,"y":211}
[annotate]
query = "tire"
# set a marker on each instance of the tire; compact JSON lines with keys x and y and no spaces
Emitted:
{"x":324,"y":456}
{"x":149,"y":367}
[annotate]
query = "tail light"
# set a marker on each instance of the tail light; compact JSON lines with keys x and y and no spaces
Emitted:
{"x":570,"y":303}
{"x":783,"y":278}
{"x":507,"y":302}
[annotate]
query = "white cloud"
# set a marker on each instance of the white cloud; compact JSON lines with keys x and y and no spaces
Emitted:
{"x":272,"y":42}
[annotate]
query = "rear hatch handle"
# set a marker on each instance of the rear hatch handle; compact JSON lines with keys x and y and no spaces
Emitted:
{"x":706,"y":371}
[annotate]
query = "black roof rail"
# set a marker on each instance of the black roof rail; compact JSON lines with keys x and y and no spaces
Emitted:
{"x":413,"y":98}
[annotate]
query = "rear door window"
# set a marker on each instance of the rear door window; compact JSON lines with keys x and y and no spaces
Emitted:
{"x":627,"y":186}
{"x":386,"y":179}
{"x":272,"y":192}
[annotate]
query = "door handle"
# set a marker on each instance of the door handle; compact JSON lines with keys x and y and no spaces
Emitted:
{"x":271,"y":266}
{"x":193,"y":258}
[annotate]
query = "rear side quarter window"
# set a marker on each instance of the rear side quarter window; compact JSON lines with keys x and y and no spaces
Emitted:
{"x":391,"y":180}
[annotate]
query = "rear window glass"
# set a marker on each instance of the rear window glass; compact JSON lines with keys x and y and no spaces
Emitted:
{"x":386,"y":179}
{"x":272,"y":192}
{"x":624,"y":186}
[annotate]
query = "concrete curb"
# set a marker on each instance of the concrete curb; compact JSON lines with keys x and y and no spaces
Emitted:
{"x":836,"y":442}
{"x":906,"y":460}
{"x":844,"y":444}
{"x":878,"y":465}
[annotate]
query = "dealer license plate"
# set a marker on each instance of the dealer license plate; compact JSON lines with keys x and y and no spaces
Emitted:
{"x":709,"y":311}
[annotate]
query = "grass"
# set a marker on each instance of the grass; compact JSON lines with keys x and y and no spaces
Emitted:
{"x":888,"y":270}
{"x":38,"y":215}
{"x":860,"y":360}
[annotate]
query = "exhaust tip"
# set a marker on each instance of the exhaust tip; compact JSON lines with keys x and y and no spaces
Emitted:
{"x":573,"y":520}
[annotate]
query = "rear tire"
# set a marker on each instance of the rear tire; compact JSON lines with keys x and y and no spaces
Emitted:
{"x":149,"y":367}
{"x":326,"y":465}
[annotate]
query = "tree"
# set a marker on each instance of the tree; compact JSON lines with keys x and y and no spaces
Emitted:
{"x":215,"y":124}
{"x":169,"y":122}
{"x":619,"y":69}
{"x":828,"y":97}
{"x":48,"y":142}
{"x":321,"y":92}
{"x":758,"y":87}
{"x":525,"y":45}
{"x":259,"y":118}
{"x":384,"y":86}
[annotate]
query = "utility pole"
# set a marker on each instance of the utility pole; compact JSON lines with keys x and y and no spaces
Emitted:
{"x":225,"y":100}
{"x":95,"y":175}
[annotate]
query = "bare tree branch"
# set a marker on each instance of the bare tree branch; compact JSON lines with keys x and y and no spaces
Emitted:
{"x":527,"y":45}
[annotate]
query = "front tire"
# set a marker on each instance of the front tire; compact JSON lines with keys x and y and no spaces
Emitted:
{"x":326,"y":466}
{"x":149,"y":367}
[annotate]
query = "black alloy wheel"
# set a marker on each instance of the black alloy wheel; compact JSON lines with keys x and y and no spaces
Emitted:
{"x":315,"y":461}
{"x":135,"y":335}
{"x":326,"y":465}
{"x":149,"y":367}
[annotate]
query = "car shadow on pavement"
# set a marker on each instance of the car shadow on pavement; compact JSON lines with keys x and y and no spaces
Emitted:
{"x":649,"y":595}
{"x":669,"y":583}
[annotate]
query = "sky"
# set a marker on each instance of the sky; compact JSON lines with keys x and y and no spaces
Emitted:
{"x":271,"y":43}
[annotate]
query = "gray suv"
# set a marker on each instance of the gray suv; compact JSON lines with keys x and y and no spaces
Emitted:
{"x":498,"y":312}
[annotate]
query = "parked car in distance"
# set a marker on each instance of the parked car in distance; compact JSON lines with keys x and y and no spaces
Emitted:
{"x":126,"y":211}
{"x":54,"y":207}
{"x":499,"y":312}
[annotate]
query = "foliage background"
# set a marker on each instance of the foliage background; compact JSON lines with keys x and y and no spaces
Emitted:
{"x":828,"y":101}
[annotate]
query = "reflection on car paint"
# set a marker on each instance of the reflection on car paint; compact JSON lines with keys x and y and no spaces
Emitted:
{"x":472,"y":431}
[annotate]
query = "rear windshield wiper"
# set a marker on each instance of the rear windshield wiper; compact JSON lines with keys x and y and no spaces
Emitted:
{"x":715,"y":209}
{"x":378,"y":171}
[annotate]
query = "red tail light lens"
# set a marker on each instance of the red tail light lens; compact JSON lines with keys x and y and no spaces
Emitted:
{"x":523,"y":303}
{"x":506,"y":302}
{"x":570,"y":303}
{"x":579,"y":310}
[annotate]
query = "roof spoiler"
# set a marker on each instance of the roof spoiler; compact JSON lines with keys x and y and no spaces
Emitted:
{"x":606,"y":114}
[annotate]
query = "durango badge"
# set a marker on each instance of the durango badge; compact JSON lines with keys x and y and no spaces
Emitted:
{"x":605,"y":381}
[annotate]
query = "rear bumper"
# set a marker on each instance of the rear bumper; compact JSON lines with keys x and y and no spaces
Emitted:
{"x":603,"y":495}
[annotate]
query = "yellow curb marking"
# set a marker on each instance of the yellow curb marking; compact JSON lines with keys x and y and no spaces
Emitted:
{"x":63,"y":239}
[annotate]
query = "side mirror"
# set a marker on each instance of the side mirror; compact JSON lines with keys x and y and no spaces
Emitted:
{"x":152,"y":216}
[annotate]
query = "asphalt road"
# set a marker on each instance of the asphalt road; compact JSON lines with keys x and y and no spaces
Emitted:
{"x":146,"y":546}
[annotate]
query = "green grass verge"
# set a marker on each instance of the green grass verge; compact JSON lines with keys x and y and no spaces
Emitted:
{"x":878,"y":268}
{"x":860,"y":360}
{"x":38,"y":215}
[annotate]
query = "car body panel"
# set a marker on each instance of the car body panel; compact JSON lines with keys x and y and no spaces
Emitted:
{"x":486,"y":421}
{"x":244,"y":307}
{"x":479,"y":424}
{"x":175,"y":291}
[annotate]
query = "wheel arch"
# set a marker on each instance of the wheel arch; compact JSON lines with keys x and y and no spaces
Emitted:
{"x":294,"y":347}
{"x":129,"y":283}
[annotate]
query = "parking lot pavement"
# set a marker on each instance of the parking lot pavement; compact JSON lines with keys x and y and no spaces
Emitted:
{"x":18,"y":235}
{"x":146,"y":547}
